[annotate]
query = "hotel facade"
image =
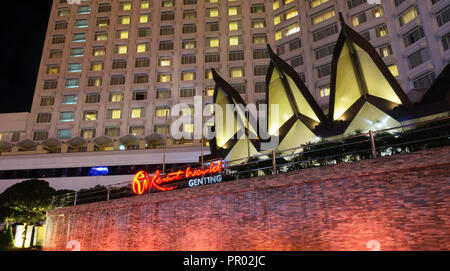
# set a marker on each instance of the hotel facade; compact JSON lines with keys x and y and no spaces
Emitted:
{"x":112,"y":70}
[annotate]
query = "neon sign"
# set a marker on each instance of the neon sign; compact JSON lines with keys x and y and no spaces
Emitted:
{"x":142,"y":181}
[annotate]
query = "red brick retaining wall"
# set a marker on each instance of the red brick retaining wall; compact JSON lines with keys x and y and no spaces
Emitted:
{"x":399,"y":203}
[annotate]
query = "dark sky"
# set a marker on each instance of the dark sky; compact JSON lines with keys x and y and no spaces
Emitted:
{"x":22,"y":36}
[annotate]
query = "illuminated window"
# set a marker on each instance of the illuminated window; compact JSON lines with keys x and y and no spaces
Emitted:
{"x":187,"y":76}
{"x":101,"y":36}
{"x":121,"y":49}
{"x":233,"y":25}
{"x":143,"y":18}
{"x":377,"y":12}
{"x":165,"y":61}
{"x":142,"y":48}
{"x":145,"y":4}
{"x":164,"y":77}
{"x":276,"y":20}
{"x":53,"y":70}
{"x":90,"y":115}
{"x":316,"y":3}
{"x":126,"y":6}
{"x":87,"y":133}
{"x":99,"y":51}
{"x":232,"y":11}
{"x":236,"y":72}
{"x":114,"y":114}
{"x":276,"y":5}
{"x":292,"y":29}
{"x":189,"y":44}
{"x":290,"y":14}
{"x":278,"y":35}
{"x":124,"y":20}
{"x":96,"y":67}
{"x":137,"y":112}
{"x":209,"y":91}
{"x":115,"y":97}
{"x":63,"y":133}
{"x":102,"y":22}
{"x":234,"y":40}
{"x":408,"y":16}
{"x":324,"y":91}
{"x":212,"y":12}
{"x":162,"y":111}
{"x":323,"y":16}
{"x":213,"y":42}
{"x":123,"y":34}
{"x":287,"y":1}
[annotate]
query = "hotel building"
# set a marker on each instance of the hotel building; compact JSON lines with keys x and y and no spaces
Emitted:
{"x":112,"y":70}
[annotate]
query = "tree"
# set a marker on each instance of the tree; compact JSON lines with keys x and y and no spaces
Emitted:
{"x":26,"y":202}
{"x":6,"y":238}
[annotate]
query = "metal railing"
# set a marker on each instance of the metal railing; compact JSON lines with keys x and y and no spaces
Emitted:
{"x":392,"y":141}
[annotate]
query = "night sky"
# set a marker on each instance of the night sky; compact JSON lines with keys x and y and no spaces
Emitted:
{"x":23,"y":35}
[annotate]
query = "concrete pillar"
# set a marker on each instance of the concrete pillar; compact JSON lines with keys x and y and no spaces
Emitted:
{"x":90,"y":146}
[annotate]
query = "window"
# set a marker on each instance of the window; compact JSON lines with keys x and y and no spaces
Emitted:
{"x":76,"y":52}
{"x":259,"y":8}
{"x":113,"y":114}
{"x":212,"y":26}
{"x":144,"y":18}
{"x":162,"y":111}
{"x":324,"y":70}
{"x":418,"y":58}
{"x":290,"y":14}
{"x":408,"y":16}
{"x":236,"y":55}
{"x":115,"y":97}
{"x":63,"y":133}
{"x":165,"y":61}
{"x":297,"y":61}
{"x":189,"y":44}
{"x":187,"y":76}
{"x":141,"y":47}
{"x":47,"y":101}
{"x":234,"y":25}
{"x":87,"y":133}
{"x":359,"y":19}
{"x":212,"y":57}
{"x":60,"y":25}
{"x":92,"y":98}
{"x":117,"y":80}
{"x":259,"y":39}
{"x":316,"y":19}
{"x":237,"y":72}
{"x":381,"y":31}
{"x":139,"y":95}
{"x":140,"y":78}
{"x":124,"y":19}
{"x":138,"y":112}
{"x":166,"y":30}
{"x":235,"y":40}
{"x":66,"y":116}
{"x":167,"y":3}
{"x":112,"y":131}
{"x":164,"y":77}
{"x":81,"y":23}
{"x":143,"y":32}
{"x":260,"y":70}
{"x":40,"y":135}
{"x":142,"y":62}
{"x":443,"y":16}
{"x":79,"y":37}
{"x":122,"y":34}
{"x":43,"y":117}
{"x":53,"y":69}
{"x":163,"y":94}
{"x":72,"y":83}
{"x":162,"y":129}
{"x":74,"y":67}
{"x":121,"y":49}
{"x":260,"y":54}
{"x":101,"y":22}
{"x":324,"y":91}
{"x":234,"y":11}
{"x":94,"y":81}
{"x":260,"y":87}
{"x":241,"y":88}
{"x":187,"y":92}
{"x":212,"y":42}
{"x":189,"y":14}
{"x":446,"y":42}
{"x":385,"y":50}
{"x":96,"y":66}
{"x":413,"y":36}
{"x":137,"y":130}
{"x":63,"y":12}
{"x":50,"y":84}
{"x":54,"y":54}
{"x":165,"y":45}
{"x":325,"y":32}
{"x":188,"y":59}
{"x":69,"y":99}
{"x":99,"y":51}
{"x":105,"y":7}
{"x":125,"y":6}
{"x":424,"y":81}
{"x":90,"y":115}
{"x":58,"y":39}
{"x":189,"y":28}
{"x":101,"y":36}
{"x":212,"y":12}
{"x":145,"y":4}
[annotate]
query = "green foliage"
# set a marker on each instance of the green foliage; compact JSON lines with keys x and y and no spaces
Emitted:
{"x":6,"y":238}
{"x":26,"y":202}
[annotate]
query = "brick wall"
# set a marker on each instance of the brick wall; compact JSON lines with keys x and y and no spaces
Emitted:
{"x":401,"y":202}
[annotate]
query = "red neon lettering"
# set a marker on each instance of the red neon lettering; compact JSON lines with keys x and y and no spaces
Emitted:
{"x":142,"y":181}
